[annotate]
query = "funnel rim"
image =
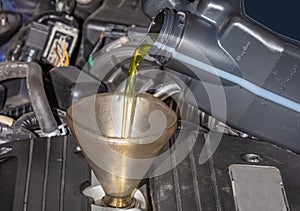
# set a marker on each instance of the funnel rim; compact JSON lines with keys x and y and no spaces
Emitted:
{"x":120,"y":139}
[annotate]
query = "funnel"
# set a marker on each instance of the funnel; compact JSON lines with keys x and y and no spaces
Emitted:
{"x":120,"y":163}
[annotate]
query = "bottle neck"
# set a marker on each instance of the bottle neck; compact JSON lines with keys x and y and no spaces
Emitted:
{"x":166,"y":30}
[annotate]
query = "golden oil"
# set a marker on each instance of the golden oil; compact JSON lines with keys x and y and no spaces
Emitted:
{"x":129,"y":94}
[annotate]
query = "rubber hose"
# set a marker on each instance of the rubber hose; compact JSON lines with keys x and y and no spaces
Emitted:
{"x":34,"y":81}
{"x":27,"y":121}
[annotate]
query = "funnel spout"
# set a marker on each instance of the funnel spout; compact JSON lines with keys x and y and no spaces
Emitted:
{"x":121,"y":202}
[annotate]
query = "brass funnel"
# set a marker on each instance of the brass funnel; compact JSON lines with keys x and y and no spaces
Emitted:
{"x":119,"y":164}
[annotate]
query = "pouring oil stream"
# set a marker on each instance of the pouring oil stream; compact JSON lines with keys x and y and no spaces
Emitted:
{"x":129,"y":94}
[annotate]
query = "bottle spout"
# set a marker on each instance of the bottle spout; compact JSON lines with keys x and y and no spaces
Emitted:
{"x":166,"y":29}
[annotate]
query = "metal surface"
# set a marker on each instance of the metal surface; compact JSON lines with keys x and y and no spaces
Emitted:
{"x":96,"y":123}
{"x":50,"y":174}
{"x":257,"y":188}
{"x":194,"y":185}
{"x":43,"y":174}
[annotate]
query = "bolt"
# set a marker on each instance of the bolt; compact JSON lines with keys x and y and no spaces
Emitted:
{"x":77,"y":149}
{"x":251,"y":158}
